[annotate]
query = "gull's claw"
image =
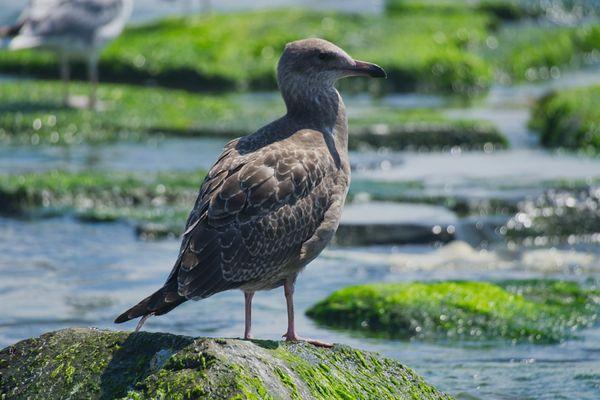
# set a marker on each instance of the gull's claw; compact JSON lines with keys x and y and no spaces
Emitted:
{"x":314,"y":342}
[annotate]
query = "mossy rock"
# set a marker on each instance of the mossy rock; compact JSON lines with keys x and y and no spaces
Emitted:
{"x":30,"y":113}
{"x":98,"y":195}
{"x":509,"y":10}
{"x":431,"y":47}
{"x":538,"y":52}
{"x":421,"y":135}
{"x":558,"y":215}
{"x":569,"y":119}
{"x":98,"y":364}
{"x":239,"y":50}
{"x":538,"y":311}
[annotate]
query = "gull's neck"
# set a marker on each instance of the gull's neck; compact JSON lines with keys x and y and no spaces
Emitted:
{"x":318,"y":108}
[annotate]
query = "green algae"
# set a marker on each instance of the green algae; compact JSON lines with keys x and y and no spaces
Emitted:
{"x":537,"y":52}
{"x":239,"y":50}
{"x":428,"y":136}
{"x":30,"y":114}
{"x":99,"y":195}
{"x":569,"y":119}
{"x":503,"y":9}
{"x":157,"y":204}
{"x":113,"y":365}
{"x":342,"y":372}
{"x":74,"y":362}
{"x":444,"y":47}
{"x":529,"y":310}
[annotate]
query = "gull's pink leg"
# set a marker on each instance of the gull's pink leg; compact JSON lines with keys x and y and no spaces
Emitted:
{"x":290,"y":335}
{"x":248,"y":315}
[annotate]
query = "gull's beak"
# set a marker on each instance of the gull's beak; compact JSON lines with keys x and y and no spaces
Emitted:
{"x":363,"y":68}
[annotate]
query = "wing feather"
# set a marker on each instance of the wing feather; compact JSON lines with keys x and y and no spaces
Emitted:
{"x":253,"y":213}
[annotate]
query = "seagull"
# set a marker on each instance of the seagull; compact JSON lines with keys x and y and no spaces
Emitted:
{"x":71,"y":28}
{"x":273,"y":199}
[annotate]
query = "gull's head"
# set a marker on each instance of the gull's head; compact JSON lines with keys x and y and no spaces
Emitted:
{"x":317,"y":63}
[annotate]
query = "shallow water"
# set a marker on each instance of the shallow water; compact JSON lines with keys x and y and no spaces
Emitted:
{"x":146,"y":156}
{"x":61,"y":273}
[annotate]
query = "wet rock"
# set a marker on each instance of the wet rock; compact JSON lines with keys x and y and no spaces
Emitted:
{"x":480,"y":231}
{"x":538,"y":311}
{"x":428,"y":136}
{"x":569,"y":118}
{"x":156,"y":230}
{"x":557,"y":215}
{"x":96,"y":364}
{"x":390,"y":223}
{"x":463,"y":204}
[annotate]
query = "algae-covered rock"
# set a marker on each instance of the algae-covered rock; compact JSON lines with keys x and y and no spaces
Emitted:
{"x":225,"y":51}
{"x":30,"y":114}
{"x":556,"y":216}
{"x":569,"y":118}
{"x":100,"y":195}
{"x":541,"y":311}
{"x":97,"y":364}
{"x":417,"y":135}
{"x":373,"y":223}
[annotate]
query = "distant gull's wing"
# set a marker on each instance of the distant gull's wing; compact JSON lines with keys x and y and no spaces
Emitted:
{"x":70,"y":18}
{"x":253,"y":214}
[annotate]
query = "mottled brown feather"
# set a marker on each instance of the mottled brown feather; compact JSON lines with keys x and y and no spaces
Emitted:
{"x":254,"y":211}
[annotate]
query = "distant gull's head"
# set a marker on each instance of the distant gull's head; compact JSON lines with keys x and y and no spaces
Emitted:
{"x":311,"y":64}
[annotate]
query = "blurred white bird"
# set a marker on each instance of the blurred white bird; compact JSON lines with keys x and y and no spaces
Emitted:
{"x":74,"y":29}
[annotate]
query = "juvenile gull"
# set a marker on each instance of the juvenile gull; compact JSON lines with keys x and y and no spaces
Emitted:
{"x":71,"y":28}
{"x":272,"y":201}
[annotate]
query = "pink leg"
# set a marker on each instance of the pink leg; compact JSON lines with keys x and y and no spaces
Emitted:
{"x":248,"y":307}
{"x":291,"y":335}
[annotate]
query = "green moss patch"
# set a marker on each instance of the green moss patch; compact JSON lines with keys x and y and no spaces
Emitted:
{"x":569,"y":119}
{"x":30,"y":113}
{"x":419,"y":135}
{"x":423,"y":47}
{"x":95,"y":364}
{"x":538,"y":311}
{"x":240,"y":50}
{"x":537,"y":52}
{"x":102,"y":196}
{"x":502,"y":9}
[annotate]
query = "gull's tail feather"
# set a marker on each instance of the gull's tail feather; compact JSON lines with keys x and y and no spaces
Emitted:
{"x":160,"y":302}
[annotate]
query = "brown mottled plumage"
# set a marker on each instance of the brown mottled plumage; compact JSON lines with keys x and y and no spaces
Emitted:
{"x":273,"y":200}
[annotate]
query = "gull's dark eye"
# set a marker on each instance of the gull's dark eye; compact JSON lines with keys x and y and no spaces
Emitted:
{"x":326,"y":56}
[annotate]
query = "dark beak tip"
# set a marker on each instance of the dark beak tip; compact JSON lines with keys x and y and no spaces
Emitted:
{"x":370,"y":69}
{"x":380,"y":74}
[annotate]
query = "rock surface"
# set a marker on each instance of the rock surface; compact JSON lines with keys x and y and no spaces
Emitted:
{"x":536,"y":311}
{"x":97,"y":364}
{"x":376,"y":223}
